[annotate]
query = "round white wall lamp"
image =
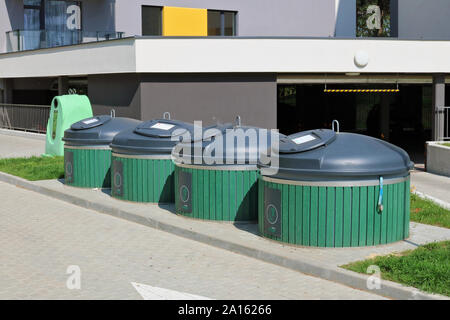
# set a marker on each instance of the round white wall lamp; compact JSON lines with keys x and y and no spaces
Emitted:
{"x":361,"y":59}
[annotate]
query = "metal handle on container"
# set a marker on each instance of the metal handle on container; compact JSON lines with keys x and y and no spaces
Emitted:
{"x":337,"y":125}
{"x":166,"y":115}
{"x":238,"y":121}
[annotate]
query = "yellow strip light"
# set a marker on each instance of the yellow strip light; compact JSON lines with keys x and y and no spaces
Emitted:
{"x":361,"y":90}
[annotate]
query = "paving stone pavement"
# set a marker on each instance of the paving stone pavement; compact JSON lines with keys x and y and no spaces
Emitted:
{"x":41,"y":236}
{"x":432,"y":185}
{"x":20,"y":144}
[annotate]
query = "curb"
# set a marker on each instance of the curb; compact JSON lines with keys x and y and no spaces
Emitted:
{"x":352,"y":279}
{"x":23,"y":134}
{"x":439,"y":202}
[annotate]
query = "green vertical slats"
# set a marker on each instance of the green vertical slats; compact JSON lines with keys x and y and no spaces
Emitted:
{"x":212,"y":193}
{"x":407,"y":208}
{"x":314,"y":216}
{"x":347,"y":217}
{"x":85,"y":156}
{"x":355,"y":217}
{"x":395,"y":208}
{"x":378,"y":217}
{"x":226,"y":196}
{"x":384,"y":216}
{"x":139,"y":175}
{"x":362,"y":216}
{"x":306,"y":210}
{"x":260,"y":205}
{"x":91,"y":168}
{"x":145,"y":177}
{"x":339,"y":217}
{"x":390,"y":213}
{"x":298,"y":228}
{"x":147,"y":180}
{"x":352,"y":218}
{"x":249,"y":191}
{"x":291,"y":217}
{"x":233,"y":203}
{"x":370,"y":215}
{"x":239,"y":192}
{"x":401,"y":211}
{"x":206,"y":205}
{"x":285,"y":211}
{"x":330,"y":216}
{"x":220,"y":196}
{"x":322,"y":217}
{"x":196,"y":205}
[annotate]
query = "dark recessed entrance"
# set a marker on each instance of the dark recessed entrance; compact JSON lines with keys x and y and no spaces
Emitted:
{"x":403,"y":118}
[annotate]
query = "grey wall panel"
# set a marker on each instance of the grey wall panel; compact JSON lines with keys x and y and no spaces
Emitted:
{"x":427,"y":19}
{"x":255,"y":17}
{"x":211,"y":98}
{"x":98,"y":15}
{"x":118,"y":91}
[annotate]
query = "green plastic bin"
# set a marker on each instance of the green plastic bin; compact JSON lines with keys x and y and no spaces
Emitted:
{"x":65,"y":110}
{"x":142,"y":166}
{"x":87,"y":154}
{"x":226,"y":191}
{"x":336,"y":190}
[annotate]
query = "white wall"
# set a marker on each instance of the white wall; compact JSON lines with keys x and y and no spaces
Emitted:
{"x":228,"y":55}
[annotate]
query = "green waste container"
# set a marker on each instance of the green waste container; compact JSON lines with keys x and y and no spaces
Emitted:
{"x":87,"y":154}
{"x":142,"y":167}
{"x":336,"y":190}
{"x":224,"y":190}
{"x":64,"y":111}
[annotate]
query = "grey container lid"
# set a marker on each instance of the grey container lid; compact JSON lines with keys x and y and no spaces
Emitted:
{"x":329,"y":156}
{"x":98,"y":130}
{"x":154,"y":137}
{"x":234,"y":153}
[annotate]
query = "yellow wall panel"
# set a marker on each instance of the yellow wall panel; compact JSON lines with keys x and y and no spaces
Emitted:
{"x":184,"y":22}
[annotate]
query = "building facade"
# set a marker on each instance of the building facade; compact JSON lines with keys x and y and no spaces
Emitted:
{"x":377,"y":66}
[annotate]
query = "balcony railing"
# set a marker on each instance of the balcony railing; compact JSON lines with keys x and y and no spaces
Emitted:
{"x":24,"y":117}
{"x":20,"y":40}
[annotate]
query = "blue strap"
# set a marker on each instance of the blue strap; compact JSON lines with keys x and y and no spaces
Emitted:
{"x":380,"y":198}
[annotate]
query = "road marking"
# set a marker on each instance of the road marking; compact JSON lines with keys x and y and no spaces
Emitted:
{"x":154,"y":293}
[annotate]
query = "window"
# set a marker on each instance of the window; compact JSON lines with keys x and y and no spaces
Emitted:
{"x":151,"y":21}
{"x":33,"y":15}
{"x":55,"y":22}
{"x":221,"y":23}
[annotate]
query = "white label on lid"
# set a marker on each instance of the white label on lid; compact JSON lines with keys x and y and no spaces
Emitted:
{"x":90,"y":121}
{"x":304,"y":139}
{"x":162,"y":126}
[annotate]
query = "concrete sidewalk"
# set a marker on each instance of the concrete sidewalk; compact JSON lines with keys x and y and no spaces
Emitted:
{"x":244,"y":239}
{"x":15,"y":144}
{"x":432,"y":186}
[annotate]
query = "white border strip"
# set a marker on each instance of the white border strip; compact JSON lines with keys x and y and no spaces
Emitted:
{"x":352,"y":183}
{"x":142,"y":156}
{"x":88,"y":147}
{"x":218,"y":167}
